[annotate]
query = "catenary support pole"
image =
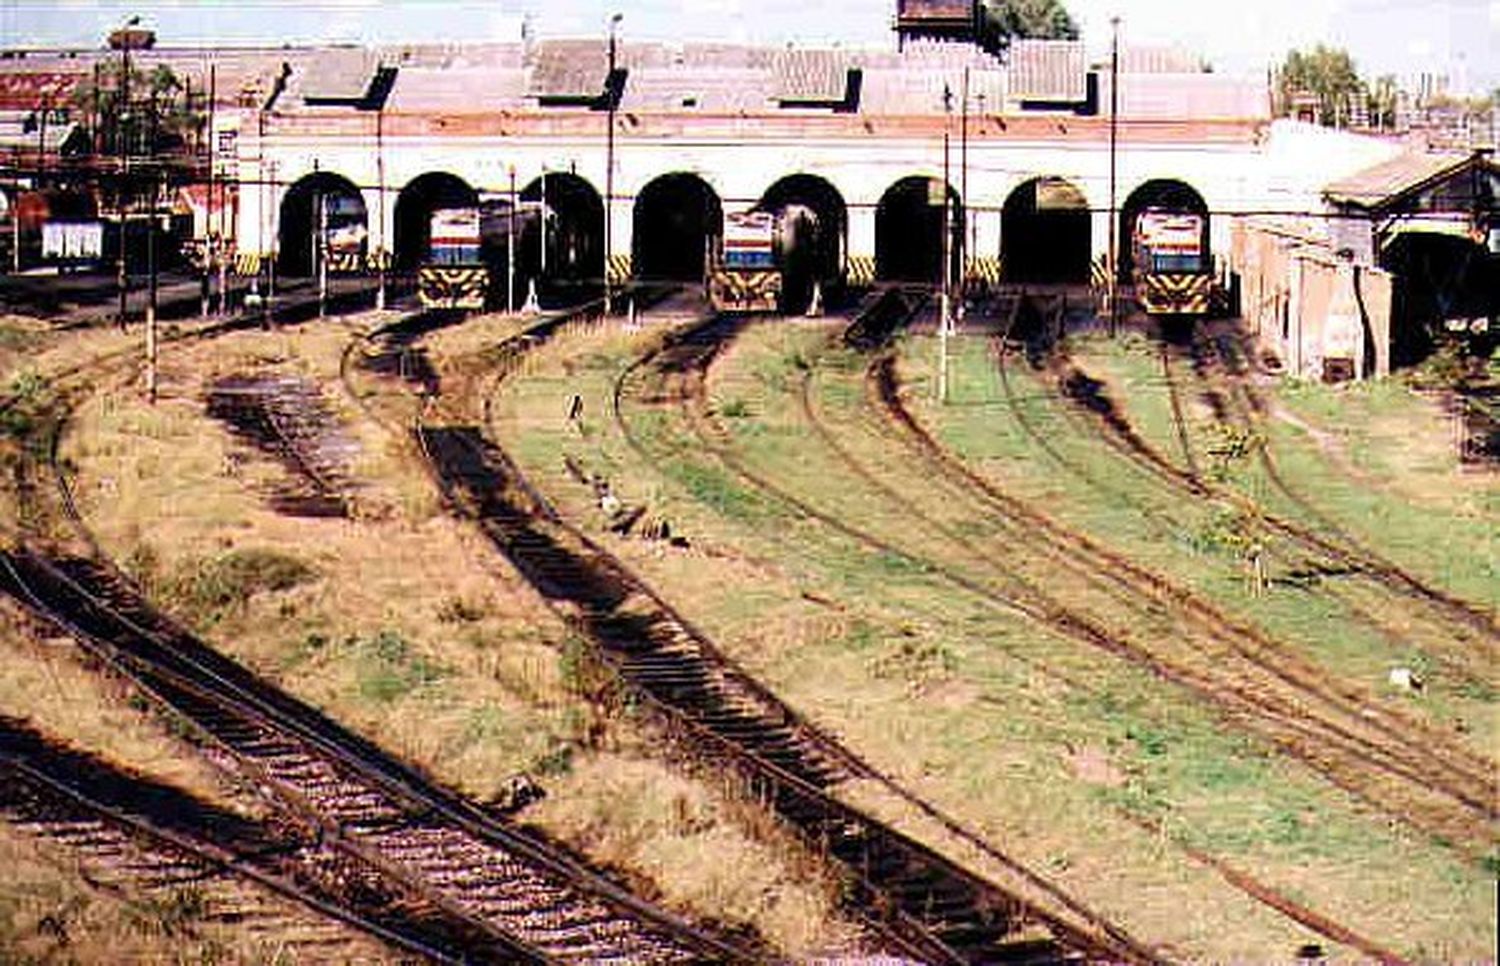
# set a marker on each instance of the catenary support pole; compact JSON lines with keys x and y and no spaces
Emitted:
{"x":1114,"y":222}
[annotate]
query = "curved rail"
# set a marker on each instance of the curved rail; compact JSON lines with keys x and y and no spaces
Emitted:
{"x":693,"y":349}
{"x":181,"y":839}
{"x":530,"y":901}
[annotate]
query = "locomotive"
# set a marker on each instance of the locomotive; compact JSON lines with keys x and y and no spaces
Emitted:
{"x":455,"y":276}
{"x":744,"y":277}
{"x":1172,"y":270}
{"x":770,"y":262}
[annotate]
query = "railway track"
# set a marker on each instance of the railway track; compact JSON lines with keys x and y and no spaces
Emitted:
{"x":268,"y":879}
{"x":924,"y":906}
{"x":1217,"y":365}
{"x":1340,"y":553}
{"x":1390,"y":745}
{"x":1396,"y":765}
{"x":685,"y":359}
{"x":286,"y":417}
{"x":1425,"y":757}
{"x":1142,"y":589}
{"x":528,"y":901}
{"x":520,"y":898}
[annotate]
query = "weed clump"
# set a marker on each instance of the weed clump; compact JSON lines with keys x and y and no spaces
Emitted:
{"x":389,"y":670}
{"x":23,"y":416}
{"x":212,"y":588}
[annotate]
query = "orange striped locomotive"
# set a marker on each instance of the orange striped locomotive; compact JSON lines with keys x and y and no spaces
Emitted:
{"x":455,"y":277}
{"x":745,"y":275}
{"x":1172,"y":271}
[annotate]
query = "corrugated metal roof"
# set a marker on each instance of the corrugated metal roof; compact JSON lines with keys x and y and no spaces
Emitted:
{"x":1146,"y":59}
{"x":1389,"y":179}
{"x":459,"y":90}
{"x":911,"y":93}
{"x":811,"y":77}
{"x":339,"y":75}
{"x":943,"y":12}
{"x":574,"y":69}
{"x":934,"y":9}
{"x":721,"y":91}
{"x":1047,"y":70}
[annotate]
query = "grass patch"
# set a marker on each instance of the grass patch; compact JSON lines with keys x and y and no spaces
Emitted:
{"x":208,"y":589}
{"x":978,"y":705}
{"x":388,"y":670}
{"x":714,"y":487}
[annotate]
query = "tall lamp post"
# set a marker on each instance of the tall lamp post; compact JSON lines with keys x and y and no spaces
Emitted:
{"x":380,"y":253}
{"x":609,"y":164}
{"x":1114,"y":226}
{"x":945,"y":308}
{"x":123,"y":144}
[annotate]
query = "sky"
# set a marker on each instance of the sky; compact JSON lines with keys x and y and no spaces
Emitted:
{"x":1460,"y":38}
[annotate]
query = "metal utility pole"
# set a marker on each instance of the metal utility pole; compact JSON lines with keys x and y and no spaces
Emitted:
{"x":945,"y":311}
{"x":219,"y":247}
{"x":41,"y":136}
{"x":151,"y":226}
{"x":609,"y":165}
{"x":122,"y":142}
{"x":210,"y":249}
{"x":320,"y":252}
{"x":542,"y":245}
{"x":151,"y":343}
{"x":510,"y":247}
{"x":963,"y":180}
{"x":267,"y":243}
{"x":380,"y":253}
{"x":1114,"y":226}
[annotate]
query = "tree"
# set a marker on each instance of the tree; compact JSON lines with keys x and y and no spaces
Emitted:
{"x":1383,"y":95}
{"x":1001,"y":21}
{"x":157,"y":121}
{"x":1326,"y":73}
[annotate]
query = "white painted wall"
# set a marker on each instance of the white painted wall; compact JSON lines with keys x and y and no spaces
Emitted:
{"x":1284,"y":171}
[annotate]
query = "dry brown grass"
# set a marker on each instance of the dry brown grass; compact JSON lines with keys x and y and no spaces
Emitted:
{"x":47,"y":684}
{"x":54,"y":909}
{"x":689,"y":840}
{"x":413,"y":632}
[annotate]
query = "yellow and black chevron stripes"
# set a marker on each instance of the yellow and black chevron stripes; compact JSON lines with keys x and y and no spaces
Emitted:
{"x":861,"y":270}
{"x":1099,"y":273}
{"x":982,"y":273}
{"x":744,"y":291}
{"x":344,"y":263}
{"x":618,"y":269}
{"x":452,"y":286}
{"x":247,"y":264}
{"x":377,"y":260}
{"x":1175,"y":294}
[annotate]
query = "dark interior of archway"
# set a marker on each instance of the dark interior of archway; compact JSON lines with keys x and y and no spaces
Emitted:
{"x":813,"y":226}
{"x":909,"y":233}
{"x":1438,"y":278}
{"x":674,"y":218}
{"x":1045,"y":242}
{"x":575,"y":233}
{"x":413,"y":214}
{"x":1170,"y":195}
{"x":299,"y":218}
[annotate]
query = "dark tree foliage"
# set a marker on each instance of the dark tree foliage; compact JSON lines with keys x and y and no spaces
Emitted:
{"x":1001,"y":21}
{"x":158,"y":120}
{"x":1326,"y":73}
